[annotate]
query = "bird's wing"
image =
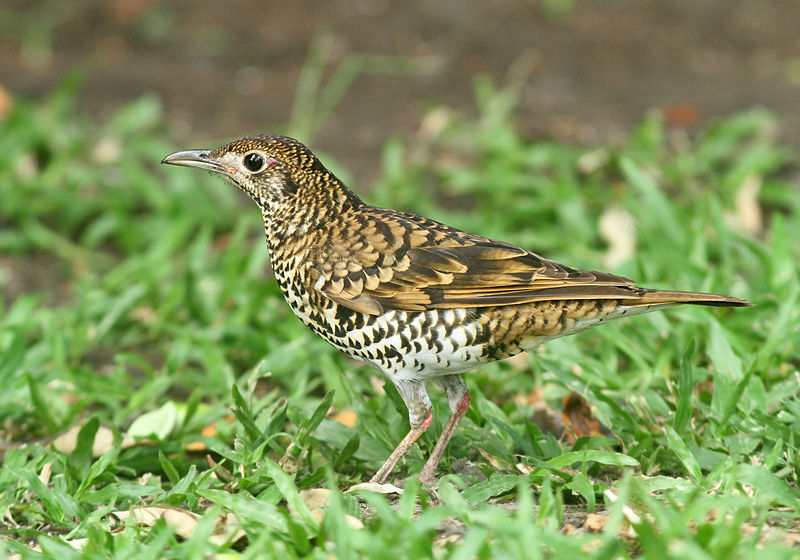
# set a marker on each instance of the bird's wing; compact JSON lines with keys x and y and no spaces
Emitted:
{"x":405,"y":262}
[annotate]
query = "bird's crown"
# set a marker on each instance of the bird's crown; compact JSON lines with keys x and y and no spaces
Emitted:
{"x":265,"y":150}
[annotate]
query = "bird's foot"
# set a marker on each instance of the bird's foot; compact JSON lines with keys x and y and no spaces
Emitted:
{"x":404,"y":445}
{"x":427,"y":475}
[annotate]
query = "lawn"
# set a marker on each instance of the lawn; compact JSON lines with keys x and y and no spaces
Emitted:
{"x":160,"y":400}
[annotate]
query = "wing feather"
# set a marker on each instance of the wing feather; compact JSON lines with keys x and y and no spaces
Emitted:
{"x":404,"y":262}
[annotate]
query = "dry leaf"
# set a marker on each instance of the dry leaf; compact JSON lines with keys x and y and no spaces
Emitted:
{"x":108,"y":151}
{"x":495,"y":461}
{"x":591,"y":547}
{"x":184,"y":522}
{"x":452,"y":538}
{"x":524,"y":469}
{"x":618,"y":228}
{"x":289,"y":462}
{"x":548,"y":421}
{"x":748,"y":209}
{"x":144,"y":314}
{"x":682,"y":116}
{"x":47,"y":470}
{"x":629,"y":514}
{"x":375,"y":487}
{"x":791,"y":539}
{"x":569,"y":529}
{"x":595,"y":522}
{"x":346,"y":417}
{"x":195,"y":446}
{"x":126,"y":11}
{"x":211,"y":429}
{"x":520,"y":362}
{"x":353,"y":522}
{"x":594,"y":160}
{"x":150,"y":479}
{"x":545,"y":418}
{"x":577,"y":418}
{"x":316,"y":500}
{"x":6,"y":102}
{"x":103,"y":441}
{"x":220,"y":471}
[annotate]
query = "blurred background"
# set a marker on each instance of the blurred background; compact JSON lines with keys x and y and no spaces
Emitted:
{"x":587,"y":70}
{"x":140,"y":323}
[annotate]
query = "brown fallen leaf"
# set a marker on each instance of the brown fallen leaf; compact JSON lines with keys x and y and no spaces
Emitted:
{"x":544,"y":417}
{"x":144,"y":314}
{"x":618,"y":228}
{"x":595,"y":522}
{"x":289,"y":462}
{"x":211,"y":429}
{"x":195,"y":446}
{"x":316,"y":500}
{"x":375,"y":487}
{"x":47,"y":470}
{"x":520,"y":362}
{"x":748,"y":208}
{"x":220,"y":471}
{"x":683,"y":115}
{"x":128,"y":10}
{"x":496,"y":462}
{"x":346,"y":417}
{"x":524,"y":469}
{"x":569,"y":529}
{"x":452,"y":538}
{"x":548,"y":421}
{"x":791,"y":539}
{"x":632,"y":517}
{"x":184,"y":522}
{"x":103,"y":441}
{"x":576,"y":415}
{"x":6,"y":102}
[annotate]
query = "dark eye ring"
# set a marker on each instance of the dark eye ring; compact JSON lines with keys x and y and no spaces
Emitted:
{"x":254,"y":162}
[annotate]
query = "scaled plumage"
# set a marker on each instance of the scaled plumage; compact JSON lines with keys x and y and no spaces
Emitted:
{"x":413,"y":297}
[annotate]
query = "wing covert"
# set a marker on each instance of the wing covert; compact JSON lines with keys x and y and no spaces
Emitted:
{"x":405,"y":262}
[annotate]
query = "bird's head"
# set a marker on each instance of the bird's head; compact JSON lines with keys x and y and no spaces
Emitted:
{"x":279,"y":173}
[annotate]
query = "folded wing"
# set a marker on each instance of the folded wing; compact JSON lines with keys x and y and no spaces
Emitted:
{"x":405,"y":262}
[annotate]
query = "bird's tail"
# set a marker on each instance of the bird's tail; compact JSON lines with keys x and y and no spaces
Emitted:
{"x":673,"y":297}
{"x":635,"y":302}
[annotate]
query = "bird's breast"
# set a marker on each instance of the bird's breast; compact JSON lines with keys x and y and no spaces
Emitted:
{"x":412,"y":344}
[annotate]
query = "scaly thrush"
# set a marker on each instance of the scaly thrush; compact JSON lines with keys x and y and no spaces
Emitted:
{"x":410,"y":296}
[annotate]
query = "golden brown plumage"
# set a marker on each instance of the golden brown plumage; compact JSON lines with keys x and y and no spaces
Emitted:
{"x":390,"y":260}
{"x":413,"y":297}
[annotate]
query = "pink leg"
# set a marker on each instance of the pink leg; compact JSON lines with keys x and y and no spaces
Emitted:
{"x":404,"y":445}
{"x":426,"y":475}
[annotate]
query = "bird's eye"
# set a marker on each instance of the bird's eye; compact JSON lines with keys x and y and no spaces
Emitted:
{"x":253,"y":162}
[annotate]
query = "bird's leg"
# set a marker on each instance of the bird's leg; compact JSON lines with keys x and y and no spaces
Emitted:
{"x":420,"y":415}
{"x":458,"y":398}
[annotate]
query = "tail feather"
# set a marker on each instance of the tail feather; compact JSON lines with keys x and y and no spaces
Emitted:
{"x":670,"y":297}
{"x":635,"y":301}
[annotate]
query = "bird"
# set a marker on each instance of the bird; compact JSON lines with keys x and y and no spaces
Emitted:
{"x":416,"y":299}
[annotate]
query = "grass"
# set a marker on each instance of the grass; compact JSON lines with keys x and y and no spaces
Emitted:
{"x":139,"y":318}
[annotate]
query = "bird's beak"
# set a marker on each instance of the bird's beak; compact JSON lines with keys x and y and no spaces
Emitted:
{"x":197,"y":158}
